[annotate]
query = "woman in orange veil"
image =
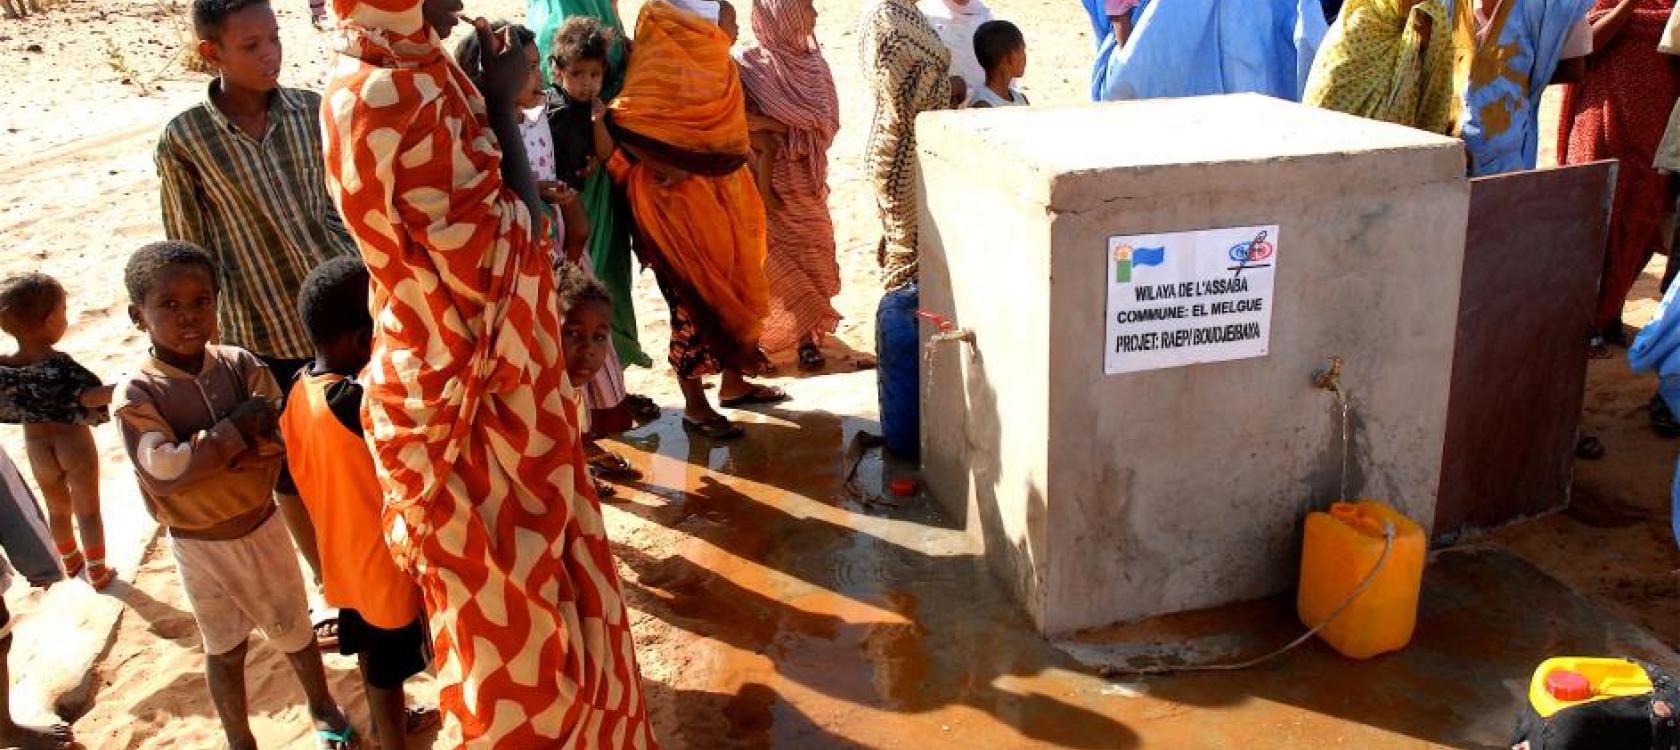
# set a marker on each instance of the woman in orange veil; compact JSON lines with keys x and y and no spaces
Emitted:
{"x":681,"y":126}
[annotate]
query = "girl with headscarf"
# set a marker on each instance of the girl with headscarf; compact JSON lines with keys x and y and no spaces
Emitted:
{"x":908,"y":70}
{"x":681,"y":127}
{"x":609,"y":228}
{"x":467,"y":411}
{"x":1619,"y":111}
{"x":789,"y":84}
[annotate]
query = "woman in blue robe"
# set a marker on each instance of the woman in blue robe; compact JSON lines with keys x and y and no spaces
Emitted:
{"x":1202,"y":47}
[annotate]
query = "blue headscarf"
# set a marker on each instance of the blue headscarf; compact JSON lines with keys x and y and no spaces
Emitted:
{"x":1199,"y":47}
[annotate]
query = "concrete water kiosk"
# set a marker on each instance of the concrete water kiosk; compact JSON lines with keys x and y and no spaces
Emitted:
{"x":1151,"y":287}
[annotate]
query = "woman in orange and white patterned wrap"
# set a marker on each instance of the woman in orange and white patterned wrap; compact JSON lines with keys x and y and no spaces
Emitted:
{"x":467,"y":410}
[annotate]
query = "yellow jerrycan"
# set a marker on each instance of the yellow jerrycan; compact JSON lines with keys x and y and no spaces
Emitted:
{"x":1340,"y":549}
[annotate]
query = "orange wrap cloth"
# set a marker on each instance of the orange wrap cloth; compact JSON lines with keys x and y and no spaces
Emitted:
{"x":703,"y":233}
{"x":467,"y":410}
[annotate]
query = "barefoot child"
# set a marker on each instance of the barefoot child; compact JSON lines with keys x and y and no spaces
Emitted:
{"x":1002,"y":51}
{"x":57,"y":400}
{"x":379,"y":617}
{"x":575,"y":115}
{"x":198,"y":421}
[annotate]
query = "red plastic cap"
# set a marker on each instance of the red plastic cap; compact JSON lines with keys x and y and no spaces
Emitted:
{"x":902,"y":487}
{"x":1565,"y":685}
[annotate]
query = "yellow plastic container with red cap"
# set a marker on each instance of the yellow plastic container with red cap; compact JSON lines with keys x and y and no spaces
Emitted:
{"x":1340,"y":548}
{"x":1567,"y":681}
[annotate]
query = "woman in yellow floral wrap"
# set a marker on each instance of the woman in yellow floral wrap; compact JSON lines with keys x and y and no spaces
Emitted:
{"x":1400,"y":61}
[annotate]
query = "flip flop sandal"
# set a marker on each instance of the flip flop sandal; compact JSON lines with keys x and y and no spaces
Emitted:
{"x":760,"y":395}
{"x":421,"y":719}
{"x":609,"y":465}
{"x":603,"y":490}
{"x":74,"y":563}
{"x":1616,"y":334}
{"x":1662,"y":419}
{"x":1596,"y":348}
{"x":100,"y":576}
{"x":326,"y":632}
{"x":643,"y":409}
{"x":716,"y":429}
{"x":1589,"y":448}
{"x":339,"y":739}
{"x":811,"y":358}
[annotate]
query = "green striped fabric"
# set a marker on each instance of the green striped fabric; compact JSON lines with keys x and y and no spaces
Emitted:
{"x":259,"y":207}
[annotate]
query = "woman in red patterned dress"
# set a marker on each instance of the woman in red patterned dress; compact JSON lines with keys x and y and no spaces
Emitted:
{"x":1619,"y":111}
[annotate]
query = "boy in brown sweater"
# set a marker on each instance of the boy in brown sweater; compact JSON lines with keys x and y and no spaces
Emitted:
{"x":198,"y":421}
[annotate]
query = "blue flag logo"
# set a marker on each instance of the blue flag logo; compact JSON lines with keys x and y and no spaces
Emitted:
{"x":1149,"y":256}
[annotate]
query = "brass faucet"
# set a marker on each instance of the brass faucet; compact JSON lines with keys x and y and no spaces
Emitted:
{"x":1330,"y":378}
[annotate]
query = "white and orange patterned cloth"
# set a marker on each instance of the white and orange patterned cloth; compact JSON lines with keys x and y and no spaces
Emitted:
{"x":472,"y":424}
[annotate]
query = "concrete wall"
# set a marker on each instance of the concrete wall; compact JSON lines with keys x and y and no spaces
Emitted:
{"x":1111,"y":498}
{"x":988,"y":458}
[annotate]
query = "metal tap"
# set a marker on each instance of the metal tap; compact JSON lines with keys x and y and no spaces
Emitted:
{"x":1330,"y":378}
{"x":947,"y":331}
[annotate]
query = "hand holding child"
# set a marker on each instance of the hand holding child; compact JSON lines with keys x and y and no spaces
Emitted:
{"x":597,"y":110}
{"x":506,"y":73}
{"x":93,"y":398}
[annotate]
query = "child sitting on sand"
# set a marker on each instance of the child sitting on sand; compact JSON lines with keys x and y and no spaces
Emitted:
{"x":198,"y":421}
{"x":379,"y":613}
{"x":56,"y":400}
{"x":1002,"y":51}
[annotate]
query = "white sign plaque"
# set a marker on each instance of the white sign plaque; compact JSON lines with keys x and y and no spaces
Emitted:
{"x":1186,"y":298}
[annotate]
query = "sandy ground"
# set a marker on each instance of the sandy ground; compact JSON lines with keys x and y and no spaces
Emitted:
{"x":88,"y":85}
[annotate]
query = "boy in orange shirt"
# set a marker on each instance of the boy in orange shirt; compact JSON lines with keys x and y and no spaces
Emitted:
{"x":380,"y":620}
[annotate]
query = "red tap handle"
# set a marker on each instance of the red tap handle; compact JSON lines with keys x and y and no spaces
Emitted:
{"x":937,"y":320}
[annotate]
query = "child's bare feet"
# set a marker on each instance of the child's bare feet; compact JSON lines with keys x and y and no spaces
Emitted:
{"x":34,"y":738}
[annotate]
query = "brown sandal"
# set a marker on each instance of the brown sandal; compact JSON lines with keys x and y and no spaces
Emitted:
{"x":760,"y":395}
{"x":609,"y":465}
{"x":716,"y":429}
